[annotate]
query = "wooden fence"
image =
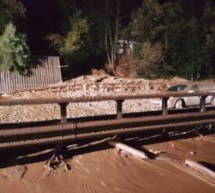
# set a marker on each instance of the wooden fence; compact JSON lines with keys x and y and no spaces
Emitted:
{"x":42,"y":72}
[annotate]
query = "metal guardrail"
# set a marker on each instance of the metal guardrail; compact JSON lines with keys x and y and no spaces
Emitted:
{"x":67,"y":132}
{"x":72,"y":132}
{"x":64,"y":101}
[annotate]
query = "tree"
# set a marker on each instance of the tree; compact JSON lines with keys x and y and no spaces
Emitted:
{"x":14,"y":52}
{"x":112,"y":32}
{"x":183,"y":32}
{"x":10,"y":10}
{"x":208,"y":23}
{"x":105,"y":21}
{"x":152,"y":27}
{"x":151,"y":57}
{"x":117,"y":15}
{"x":66,"y":45}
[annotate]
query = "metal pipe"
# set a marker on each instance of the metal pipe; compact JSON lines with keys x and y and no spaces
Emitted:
{"x":90,"y":126}
{"x":51,"y":100}
{"x":95,"y":134}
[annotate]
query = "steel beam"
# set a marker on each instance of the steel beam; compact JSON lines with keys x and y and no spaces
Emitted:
{"x":165,"y":106}
{"x":96,"y":134}
{"x":119,"y":108}
{"x":202,"y":103}
{"x":63,"y":113}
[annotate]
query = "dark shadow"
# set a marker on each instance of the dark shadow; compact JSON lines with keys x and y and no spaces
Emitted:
{"x":42,"y":154}
{"x":79,"y":66}
{"x":24,"y":156}
{"x":174,"y":135}
{"x":34,"y":62}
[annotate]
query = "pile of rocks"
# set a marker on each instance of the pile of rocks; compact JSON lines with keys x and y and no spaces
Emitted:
{"x":84,"y":86}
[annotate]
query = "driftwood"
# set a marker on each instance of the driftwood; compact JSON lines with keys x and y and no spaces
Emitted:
{"x":200,"y":169}
{"x":56,"y":159}
{"x":129,"y":150}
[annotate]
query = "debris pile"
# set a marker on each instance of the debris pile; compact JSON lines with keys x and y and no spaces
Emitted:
{"x":84,"y":86}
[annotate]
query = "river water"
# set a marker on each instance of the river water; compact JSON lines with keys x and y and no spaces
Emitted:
{"x":107,"y":171}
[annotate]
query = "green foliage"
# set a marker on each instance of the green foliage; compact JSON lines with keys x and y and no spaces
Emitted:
{"x":145,"y":21}
{"x":208,"y":21}
{"x":66,"y":45}
{"x":185,"y":33}
{"x":72,"y":41}
{"x":93,"y":34}
{"x":151,"y":57}
{"x":195,"y":55}
{"x":14,"y":52}
{"x":10,"y":10}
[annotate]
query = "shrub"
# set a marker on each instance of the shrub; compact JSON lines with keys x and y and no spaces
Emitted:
{"x":14,"y":52}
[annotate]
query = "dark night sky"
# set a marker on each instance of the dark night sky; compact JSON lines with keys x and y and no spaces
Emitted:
{"x":42,"y":18}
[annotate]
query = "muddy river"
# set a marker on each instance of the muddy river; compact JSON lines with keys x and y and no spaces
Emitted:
{"x":107,"y":171}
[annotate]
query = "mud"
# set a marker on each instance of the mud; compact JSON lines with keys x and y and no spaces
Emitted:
{"x":107,"y":171}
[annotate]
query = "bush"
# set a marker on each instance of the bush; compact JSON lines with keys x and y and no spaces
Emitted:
{"x":14,"y":52}
{"x":126,"y":67}
{"x":148,"y":60}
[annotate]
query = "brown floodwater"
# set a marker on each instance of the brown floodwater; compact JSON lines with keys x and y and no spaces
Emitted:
{"x":107,"y":171}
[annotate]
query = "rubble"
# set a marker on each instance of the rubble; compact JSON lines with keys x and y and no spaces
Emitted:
{"x":82,"y":86}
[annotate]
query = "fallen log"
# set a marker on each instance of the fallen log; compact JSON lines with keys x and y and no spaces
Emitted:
{"x":200,"y":169}
{"x":130,"y":150}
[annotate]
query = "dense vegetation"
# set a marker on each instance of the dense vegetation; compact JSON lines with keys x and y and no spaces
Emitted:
{"x":14,"y":51}
{"x":172,"y":37}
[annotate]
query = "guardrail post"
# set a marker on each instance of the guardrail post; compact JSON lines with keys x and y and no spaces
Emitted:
{"x":119,"y":108}
{"x":202,"y":103}
{"x":63,"y":112}
{"x":164,"y":106}
{"x":164,"y":112}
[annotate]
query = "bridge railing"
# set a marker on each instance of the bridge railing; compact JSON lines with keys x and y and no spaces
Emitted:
{"x":64,"y":101}
{"x":29,"y":135}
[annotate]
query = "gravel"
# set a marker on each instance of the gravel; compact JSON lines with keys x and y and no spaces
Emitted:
{"x":82,"y":86}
